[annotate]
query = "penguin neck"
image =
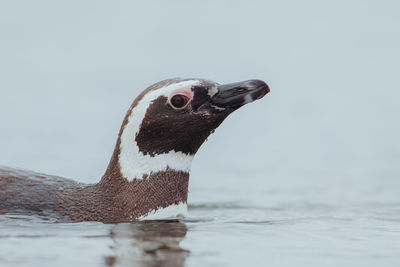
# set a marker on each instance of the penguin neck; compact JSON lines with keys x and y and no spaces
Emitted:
{"x":133,"y":165}
{"x":157,"y":195}
{"x":140,"y":184}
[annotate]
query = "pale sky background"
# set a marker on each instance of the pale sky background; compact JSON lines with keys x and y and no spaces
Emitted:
{"x":70,"y":69}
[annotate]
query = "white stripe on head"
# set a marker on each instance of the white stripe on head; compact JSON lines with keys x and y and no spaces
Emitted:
{"x":134,"y":164}
{"x":212,"y":91}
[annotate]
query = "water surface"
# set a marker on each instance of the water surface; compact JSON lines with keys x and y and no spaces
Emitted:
{"x":286,"y":228}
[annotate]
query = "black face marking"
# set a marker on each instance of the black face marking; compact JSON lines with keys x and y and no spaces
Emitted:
{"x":201,"y":97}
{"x":164,"y":128}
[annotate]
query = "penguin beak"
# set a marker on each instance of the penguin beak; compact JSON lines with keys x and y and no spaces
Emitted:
{"x":234,"y":95}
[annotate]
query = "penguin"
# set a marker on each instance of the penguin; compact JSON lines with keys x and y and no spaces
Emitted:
{"x":148,"y":174}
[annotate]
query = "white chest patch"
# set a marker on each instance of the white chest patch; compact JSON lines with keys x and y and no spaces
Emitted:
{"x":171,"y":212}
{"x":134,"y":164}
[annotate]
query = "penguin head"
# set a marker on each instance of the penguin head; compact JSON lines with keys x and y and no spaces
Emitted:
{"x":181,"y":115}
{"x":170,"y":120}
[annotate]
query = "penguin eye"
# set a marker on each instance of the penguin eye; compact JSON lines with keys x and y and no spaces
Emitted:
{"x":179,"y":101}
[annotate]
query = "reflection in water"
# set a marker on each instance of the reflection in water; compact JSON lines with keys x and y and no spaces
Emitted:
{"x":151,"y":243}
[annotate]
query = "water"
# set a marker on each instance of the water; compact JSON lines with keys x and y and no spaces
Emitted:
{"x":304,"y":223}
{"x":309,"y":175}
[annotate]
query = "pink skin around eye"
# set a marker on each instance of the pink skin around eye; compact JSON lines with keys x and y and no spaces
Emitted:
{"x":187,"y":92}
